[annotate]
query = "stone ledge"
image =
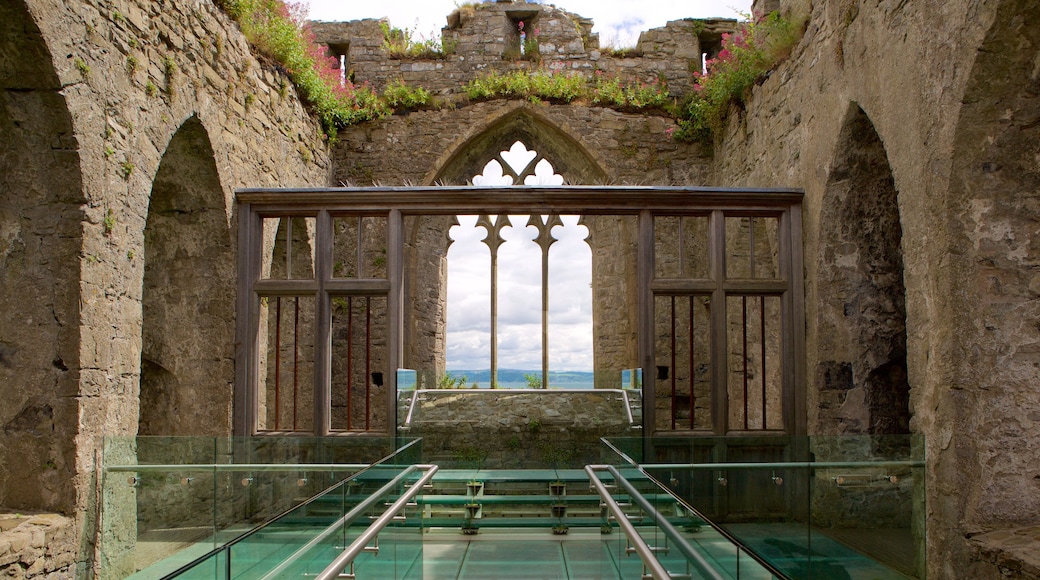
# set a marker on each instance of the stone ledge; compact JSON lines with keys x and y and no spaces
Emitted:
{"x":37,"y":546}
{"x":1014,"y":552}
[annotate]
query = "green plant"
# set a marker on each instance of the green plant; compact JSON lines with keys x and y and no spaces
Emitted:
{"x":131,"y":64}
{"x":558,"y":87}
{"x":533,"y":381}
{"x":109,"y":151}
{"x":130,"y":254}
{"x":250,"y":100}
{"x":400,"y":97}
{"x":132,"y":42}
{"x":109,"y":222}
{"x":447,"y":381}
{"x":150,"y":89}
{"x":82,"y":66}
{"x":126,"y":169}
{"x":403,"y":43}
{"x":747,"y":56}
{"x":279,"y":33}
{"x":169,"y":65}
{"x":117,"y":16}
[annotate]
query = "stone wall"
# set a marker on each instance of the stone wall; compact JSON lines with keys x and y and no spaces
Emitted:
{"x":37,"y":546}
{"x":104,"y":104}
{"x":945,"y":86}
{"x":485,"y":37}
{"x":517,"y":429}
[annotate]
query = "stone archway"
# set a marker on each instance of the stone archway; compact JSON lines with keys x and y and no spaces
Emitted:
{"x":425,"y":320}
{"x":188,"y":302}
{"x":987,"y":463}
{"x":861,"y":380}
{"x":568,"y":156}
{"x":41,"y":196}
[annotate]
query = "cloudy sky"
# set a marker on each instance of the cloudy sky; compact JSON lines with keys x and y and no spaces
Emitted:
{"x":618,"y":22}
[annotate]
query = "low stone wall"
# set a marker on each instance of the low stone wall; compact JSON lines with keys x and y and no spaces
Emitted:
{"x":517,"y":429}
{"x":37,"y":546}
{"x":1008,"y":553}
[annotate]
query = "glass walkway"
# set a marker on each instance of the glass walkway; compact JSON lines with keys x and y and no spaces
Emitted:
{"x":395,"y":517}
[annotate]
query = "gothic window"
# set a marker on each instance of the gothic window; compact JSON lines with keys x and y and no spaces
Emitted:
{"x":506,"y":290}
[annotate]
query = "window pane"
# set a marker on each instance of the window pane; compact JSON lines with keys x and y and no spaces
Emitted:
{"x":359,"y":247}
{"x":359,"y":363}
{"x":288,"y":252}
{"x":286,"y":396}
{"x":753,"y":354}
{"x":752,"y":247}
{"x":682,"y":335}
{"x":681,"y":247}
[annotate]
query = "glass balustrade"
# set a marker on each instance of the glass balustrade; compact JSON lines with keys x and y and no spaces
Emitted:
{"x":819,"y":507}
{"x":169,"y":500}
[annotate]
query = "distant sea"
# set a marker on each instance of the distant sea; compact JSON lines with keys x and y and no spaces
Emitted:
{"x":515,"y":379}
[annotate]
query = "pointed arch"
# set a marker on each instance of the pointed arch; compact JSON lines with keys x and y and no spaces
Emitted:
{"x":188,"y":299}
{"x":994,"y":215}
{"x":41,"y":196}
{"x":519,"y":123}
{"x":861,"y":381}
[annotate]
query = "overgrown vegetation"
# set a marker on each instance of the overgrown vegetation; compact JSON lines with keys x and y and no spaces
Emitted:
{"x":277,"y":30}
{"x":747,"y":56}
{"x":406,"y":43}
{"x":557,"y":87}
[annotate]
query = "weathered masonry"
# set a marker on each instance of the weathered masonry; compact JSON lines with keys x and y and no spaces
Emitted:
{"x":911,"y":127}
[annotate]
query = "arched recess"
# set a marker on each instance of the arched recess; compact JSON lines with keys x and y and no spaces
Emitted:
{"x":187,"y":356}
{"x":993,"y":410}
{"x":41,"y":195}
{"x":861,"y":379}
{"x":568,"y":156}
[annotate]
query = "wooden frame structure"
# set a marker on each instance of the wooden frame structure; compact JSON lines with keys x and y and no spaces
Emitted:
{"x":395,"y":203}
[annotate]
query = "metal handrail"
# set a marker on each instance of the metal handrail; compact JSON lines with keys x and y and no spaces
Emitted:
{"x":669,"y":530}
{"x":657,"y":570}
{"x":334,"y":569}
{"x":348,"y":517}
{"x":785,"y":465}
{"x":129,"y":468}
{"x":415,"y":397}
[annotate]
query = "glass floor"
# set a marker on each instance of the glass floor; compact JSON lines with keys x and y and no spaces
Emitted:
{"x":583,"y":554}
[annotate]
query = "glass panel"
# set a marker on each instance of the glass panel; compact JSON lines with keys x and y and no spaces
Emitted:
{"x":169,"y":500}
{"x":856,"y":511}
{"x":683,"y":342}
{"x":359,"y":246}
{"x":755,"y":374}
{"x":286,"y":395}
{"x":288,"y":251}
{"x":359,"y":363}
{"x":681,"y":247}
{"x":753,"y":247}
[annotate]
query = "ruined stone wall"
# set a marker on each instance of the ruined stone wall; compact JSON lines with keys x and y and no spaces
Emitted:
{"x":486,"y":37}
{"x":93,"y":95}
{"x":956,"y":124}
